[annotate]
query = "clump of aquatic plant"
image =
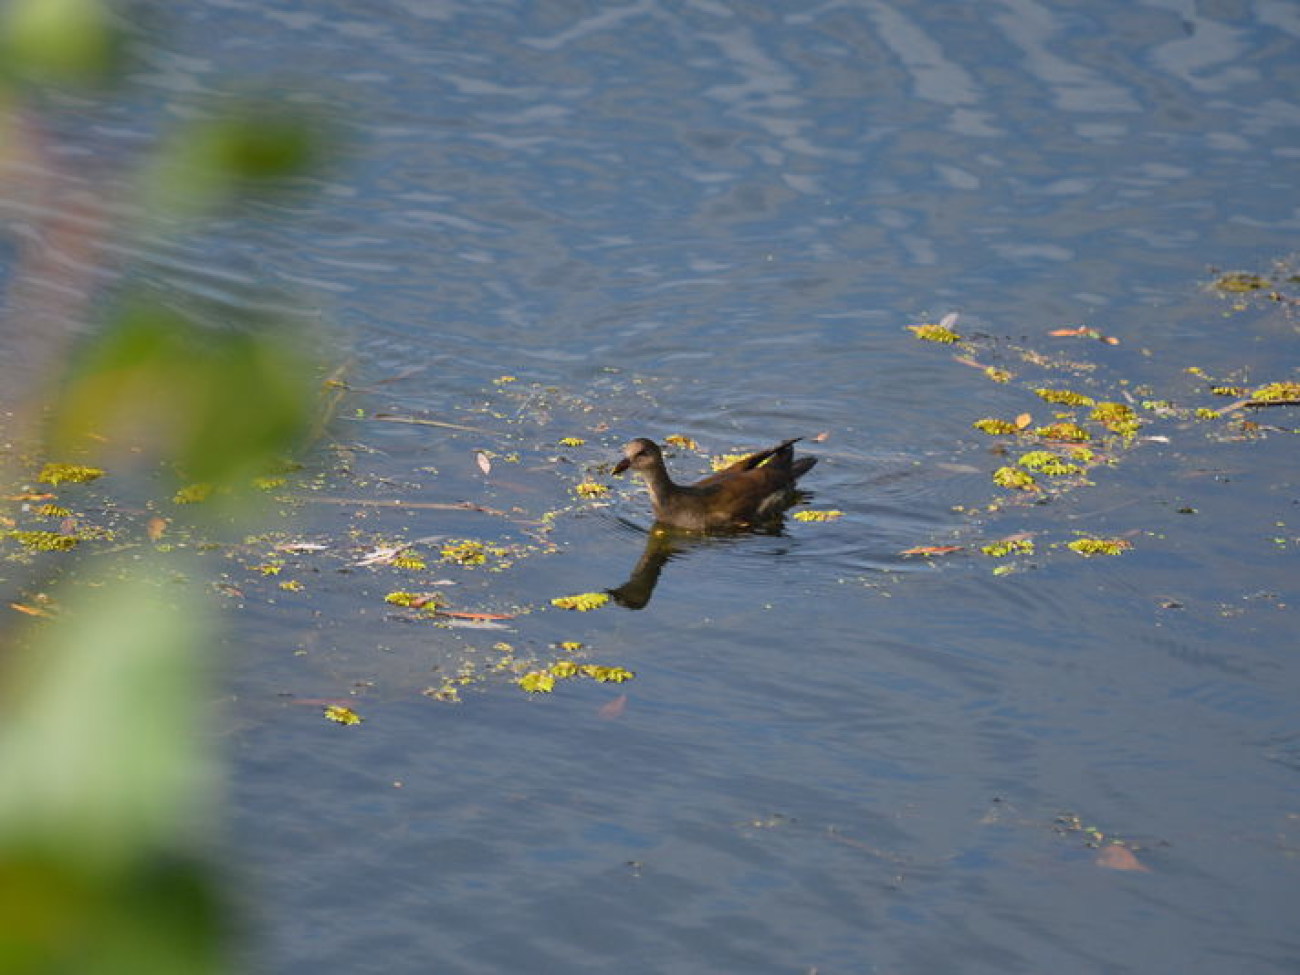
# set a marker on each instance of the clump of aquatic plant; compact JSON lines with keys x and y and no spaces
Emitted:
{"x":44,"y":541}
{"x":590,"y":489}
{"x":1064,"y":430}
{"x":468,"y":551}
{"x":995,"y":427}
{"x":412,"y":600}
{"x":408,"y":560}
{"x":1240,"y":282}
{"x":1099,"y":546}
{"x":998,"y":375}
{"x":68,"y":474}
{"x":1046,"y":462}
{"x":583,"y":602}
{"x":53,"y":511}
{"x":1014,"y":478}
{"x":725,"y":460}
{"x":1228,"y":390}
{"x":1066,"y":397}
{"x":1117,"y":418}
{"x":1008,"y":546}
{"x":571,"y":441}
{"x":192,"y":494}
{"x":1281,"y":392}
{"x":932,"y":332}
{"x":829,"y":515}
{"x":340,"y":714}
{"x":543,"y":681}
{"x":678,"y":440}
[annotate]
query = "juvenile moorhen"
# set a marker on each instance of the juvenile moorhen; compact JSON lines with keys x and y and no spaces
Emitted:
{"x":751,"y":490}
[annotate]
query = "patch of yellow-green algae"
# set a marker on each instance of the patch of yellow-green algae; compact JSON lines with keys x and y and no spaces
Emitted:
{"x":1240,"y":282}
{"x":56,"y":474}
{"x":1008,"y":546}
{"x":811,"y":515}
{"x":583,"y":602}
{"x":1066,"y":397}
{"x":995,"y":427}
{"x":1099,"y":546}
{"x":1118,"y":418}
{"x":44,"y":541}
{"x":1279,"y":392}
{"x":1011,"y":477}
{"x":1046,"y":462}
{"x":1064,"y":430}
{"x":933,"y":332}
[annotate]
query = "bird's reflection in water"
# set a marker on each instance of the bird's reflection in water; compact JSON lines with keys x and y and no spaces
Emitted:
{"x":664,"y":544}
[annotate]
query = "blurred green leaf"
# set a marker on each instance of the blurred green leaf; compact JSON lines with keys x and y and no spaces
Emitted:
{"x":60,"y":42}
{"x":251,"y":149}
{"x":222,"y":405}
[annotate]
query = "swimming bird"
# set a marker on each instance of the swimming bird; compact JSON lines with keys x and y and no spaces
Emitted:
{"x":753,"y":489}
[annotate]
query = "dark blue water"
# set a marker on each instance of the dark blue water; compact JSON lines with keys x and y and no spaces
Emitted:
{"x":716,"y":219}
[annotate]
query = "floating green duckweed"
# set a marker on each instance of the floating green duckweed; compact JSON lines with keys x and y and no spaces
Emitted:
{"x":590,"y":489}
{"x":1066,"y":397}
{"x":192,"y":494}
{"x":465,"y":551}
{"x":53,"y":511}
{"x":930,"y":332}
{"x":1099,"y":546}
{"x":412,"y":600}
{"x":1228,"y":390}
{"x":1205,"y":413}
{"x":68,"y":474}
{"x":408,"y":560}
{"x":1240,"y":282}
{"x":564,"y":668}
{"x":1277,"y":392}
{"x":1008,"y":546}
{"x":340,"y":714}
{"x":42,"y":541}
{"x":1012,"y":477}
{"x":725,"y":460}
{"x":1065,"y":430}
{"x":1046,"y":462}
{"x":994,"y":427}
{"x":999,"y":375}
{"x":1117,"y":418}
{"x":572,"y":441}
{"x":607,"y":675}
{"x":538,"y":682}
{"x":829,"y":515}
{"x":677,"y":440}
{"x":583,"y":602}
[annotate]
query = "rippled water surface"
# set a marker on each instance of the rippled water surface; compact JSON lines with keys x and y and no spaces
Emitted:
{"x":716,"y":219}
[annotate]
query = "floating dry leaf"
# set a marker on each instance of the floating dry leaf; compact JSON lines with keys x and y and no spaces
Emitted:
{"x":1117,"y":857}
{"x":484,"y":461}
{"x":932,"y":550}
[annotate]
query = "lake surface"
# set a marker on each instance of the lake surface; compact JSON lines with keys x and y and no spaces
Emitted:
{"x":716,"y":220}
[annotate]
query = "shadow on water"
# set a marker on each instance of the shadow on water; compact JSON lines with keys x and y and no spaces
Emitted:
{"x":663,"y":544}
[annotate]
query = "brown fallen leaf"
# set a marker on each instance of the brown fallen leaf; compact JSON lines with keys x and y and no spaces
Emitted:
{"x":156,"y":528}
{"x":460,"y":615}
{"x":613,"y":709}
{"x":31,"y":610}
{"x":1023,"y":420}
{"x":822,"y":437}
{"x":1116,"y":857}
{"x":933,"y":550}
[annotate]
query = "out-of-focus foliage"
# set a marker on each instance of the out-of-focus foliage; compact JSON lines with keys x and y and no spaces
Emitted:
{"x":108,"y":787}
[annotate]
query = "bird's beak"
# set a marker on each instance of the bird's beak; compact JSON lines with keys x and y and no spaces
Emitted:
{"x":622,"y":465}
